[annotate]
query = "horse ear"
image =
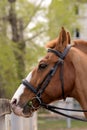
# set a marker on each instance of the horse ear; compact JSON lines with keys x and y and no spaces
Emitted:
{"x":69,"y":37}
{"x":63,"y":40}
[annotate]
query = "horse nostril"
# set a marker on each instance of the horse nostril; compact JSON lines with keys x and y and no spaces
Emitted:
{"x":14,"y":102}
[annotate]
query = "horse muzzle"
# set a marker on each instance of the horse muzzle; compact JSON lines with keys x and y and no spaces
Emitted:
{"x":25,"y":111}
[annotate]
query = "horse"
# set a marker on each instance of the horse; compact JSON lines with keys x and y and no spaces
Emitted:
{"x":61,"y":73}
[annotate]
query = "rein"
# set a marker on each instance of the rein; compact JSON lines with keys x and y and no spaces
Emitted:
{"x":40,"y":89}
{"x":55,"y":110}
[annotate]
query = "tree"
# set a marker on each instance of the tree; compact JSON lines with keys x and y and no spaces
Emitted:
{"x":8,"y":72}
{"x":19,"y":20}
{"x":16,"y":47}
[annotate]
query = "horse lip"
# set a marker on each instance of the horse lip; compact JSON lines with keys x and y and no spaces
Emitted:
{"x":27,"y":110}
{"x":19,"y":111}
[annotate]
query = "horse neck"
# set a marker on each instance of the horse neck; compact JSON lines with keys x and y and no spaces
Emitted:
{"x":81,"y":45}
{"x":79,"y":60}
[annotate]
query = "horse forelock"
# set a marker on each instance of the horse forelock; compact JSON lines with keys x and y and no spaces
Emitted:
{"x":51,"y":44}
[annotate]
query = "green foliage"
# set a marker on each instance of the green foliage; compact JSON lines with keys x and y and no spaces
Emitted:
{"x":82,"y":1}
{"x":24,"y":10}
{"x":8,"y":72}
{"x":27,"y":11}
{"x":33,"y":54}
{"x":3,"y":4}
{"x":12,"y":54}
{"x":61,"y":13}
{"x":54,"y":123}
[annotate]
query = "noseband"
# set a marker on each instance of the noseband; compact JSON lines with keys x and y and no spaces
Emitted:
{"x":40,"y":89}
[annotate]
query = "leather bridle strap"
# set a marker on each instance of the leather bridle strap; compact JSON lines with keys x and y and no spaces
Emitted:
{"x":48,"y":78}
{"x":63,"y":54}
{"x":62,"y":79}
{"x":40,"y":89}
{"x":61,"y":58}
{"x":55,"y":110}
{"x":29,"y":86}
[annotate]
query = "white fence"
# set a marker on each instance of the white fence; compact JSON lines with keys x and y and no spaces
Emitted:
{"x":13,"y":122}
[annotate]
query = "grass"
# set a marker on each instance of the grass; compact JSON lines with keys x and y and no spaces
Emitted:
{"x":55,"y":124}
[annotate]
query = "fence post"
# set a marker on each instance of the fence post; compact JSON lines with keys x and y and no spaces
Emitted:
{"x":13,"y":122}
{"x":68,"y":105}
{"x":7,"y":122}
{"x":4,"y":109}
{"x":2,"y":123}
{"x":33,"y":122}
{"x":20,"y":123}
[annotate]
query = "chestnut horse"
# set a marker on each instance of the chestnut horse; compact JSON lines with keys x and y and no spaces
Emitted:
{"x":60,"y":74}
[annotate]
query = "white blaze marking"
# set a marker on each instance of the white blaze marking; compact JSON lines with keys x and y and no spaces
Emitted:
{"x":21,"y":88}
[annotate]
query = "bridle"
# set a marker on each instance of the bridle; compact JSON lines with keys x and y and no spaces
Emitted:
{"x":43,"y":85}
{"x":40,"y":89}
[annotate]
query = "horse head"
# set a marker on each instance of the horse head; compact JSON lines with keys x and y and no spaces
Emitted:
{"x":51,"y":80}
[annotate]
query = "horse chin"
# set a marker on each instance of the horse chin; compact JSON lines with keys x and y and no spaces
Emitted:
{"x":22,"y":112}
{"x":28,"y":112}
{"x":27,"y":115}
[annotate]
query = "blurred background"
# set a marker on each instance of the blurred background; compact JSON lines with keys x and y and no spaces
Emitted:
{"x":25,"y":27}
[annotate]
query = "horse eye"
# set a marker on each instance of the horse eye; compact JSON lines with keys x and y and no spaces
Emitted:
{"x":42,"y":66}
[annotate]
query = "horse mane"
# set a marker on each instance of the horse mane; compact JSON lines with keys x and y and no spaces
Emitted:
{"x":81,"y":45}
{"x":78,"y":43}
{"x":51,"y":44}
